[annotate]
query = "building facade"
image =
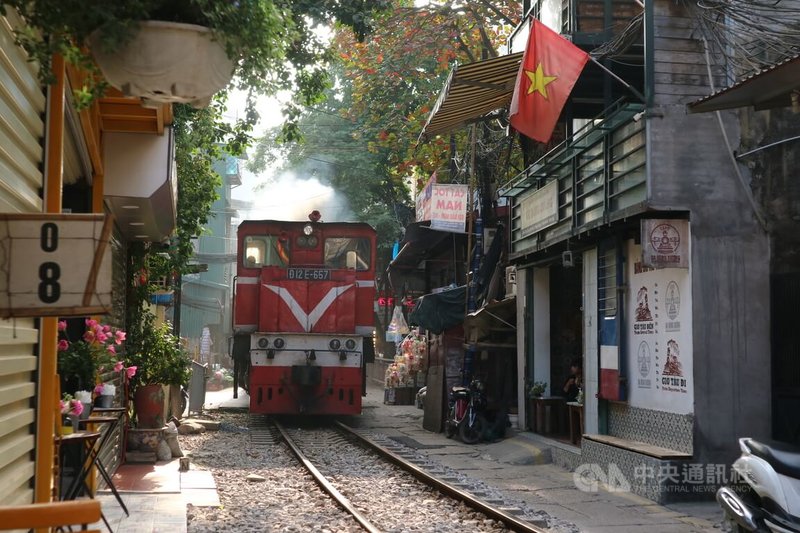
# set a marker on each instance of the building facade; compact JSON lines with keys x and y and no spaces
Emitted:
{"x":638,"y":249}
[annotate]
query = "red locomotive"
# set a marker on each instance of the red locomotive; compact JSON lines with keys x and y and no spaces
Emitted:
{"x":303,"y":314}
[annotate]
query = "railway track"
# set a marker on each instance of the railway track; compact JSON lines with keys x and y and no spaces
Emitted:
{"x":385,"y":489}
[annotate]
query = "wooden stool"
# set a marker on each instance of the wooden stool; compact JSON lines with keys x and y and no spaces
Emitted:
{"x":547,"y":414}
{"x":575,"y":415}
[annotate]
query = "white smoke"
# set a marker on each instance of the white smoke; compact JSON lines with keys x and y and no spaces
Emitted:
{"x":290,"y":197}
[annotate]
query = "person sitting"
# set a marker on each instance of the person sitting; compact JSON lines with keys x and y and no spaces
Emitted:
{"x":574,"y":382}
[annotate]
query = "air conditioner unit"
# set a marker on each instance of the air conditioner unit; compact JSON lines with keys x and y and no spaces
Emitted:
{"x":511,"y":281}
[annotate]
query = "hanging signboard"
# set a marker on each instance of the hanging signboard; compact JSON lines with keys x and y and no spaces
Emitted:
{"x":665,"y":243}
{"x":424,"y":200}
{"x":449,"y":207}
{"x":539,"y":209}
{"x":55,"y":264}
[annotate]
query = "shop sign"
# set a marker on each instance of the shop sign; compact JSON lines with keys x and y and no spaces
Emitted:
{"x":539,"y":209}
{"x":659,"y":333}
{"x":665,"y":243}
{"x":424,"y":200}
{"x":55,"y":264}
{"x":449,"y":207}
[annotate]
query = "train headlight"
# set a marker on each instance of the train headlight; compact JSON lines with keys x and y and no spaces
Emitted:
{"x":312,"y":241}
{"x":350,"y":344}
{"x":279,"y":343}
{"x":308,"y":229}
{"x":335,"y":344}
{"x":263,"y":342}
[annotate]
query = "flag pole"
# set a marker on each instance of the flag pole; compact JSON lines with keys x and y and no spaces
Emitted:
{"x":623,"y":82}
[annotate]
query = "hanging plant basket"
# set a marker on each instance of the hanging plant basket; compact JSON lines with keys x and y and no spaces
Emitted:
{"x":167,"y":62}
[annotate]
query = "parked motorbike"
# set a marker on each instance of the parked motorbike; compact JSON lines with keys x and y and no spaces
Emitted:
{"x":465,"y":416}
{"x":767,"y":495}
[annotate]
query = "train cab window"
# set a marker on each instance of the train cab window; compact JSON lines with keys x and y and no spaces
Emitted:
{"x":265,"y":250}
{"x":347,"y":252}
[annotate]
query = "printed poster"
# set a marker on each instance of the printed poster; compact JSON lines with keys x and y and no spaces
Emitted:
{"x":659,"y":332}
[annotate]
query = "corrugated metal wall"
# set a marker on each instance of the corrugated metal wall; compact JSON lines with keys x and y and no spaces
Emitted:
{"x":22,"y":105}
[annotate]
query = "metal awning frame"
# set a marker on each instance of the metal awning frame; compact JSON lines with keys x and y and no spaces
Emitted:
{"x":473,"y":90}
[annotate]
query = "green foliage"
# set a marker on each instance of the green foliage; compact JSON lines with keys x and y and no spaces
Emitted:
{"x":270,"y":41}
{"x":157,"y":354}
{"x":536,"y":389}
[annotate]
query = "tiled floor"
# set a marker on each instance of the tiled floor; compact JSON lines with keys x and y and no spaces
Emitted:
{"x":156,"y":497}
{"x":161,"y":477}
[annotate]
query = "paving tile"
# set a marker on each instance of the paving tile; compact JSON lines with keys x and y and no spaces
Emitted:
{"x":197,"y":479}
{"x":146,"y":478}
{"x":201,"y":497}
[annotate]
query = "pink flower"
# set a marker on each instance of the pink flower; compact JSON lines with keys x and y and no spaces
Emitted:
{"x":106,"y":329}
{"x":100,"y":336}
{"x":119,"y":336}
{"x":62,"y":325}
{"x":119,"y":366}
{"x":89,"y":336}
{"x":77,"y":407}
{"x":98,"y":389}
{"x":91,"y":323}
{"x":63,"y":345}
{"x":130,"y":371}
{"x":111,"y":349}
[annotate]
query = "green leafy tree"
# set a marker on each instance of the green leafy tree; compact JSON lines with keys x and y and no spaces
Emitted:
{"x":364,"y":137}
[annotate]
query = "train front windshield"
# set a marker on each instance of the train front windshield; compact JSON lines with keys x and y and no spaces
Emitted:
{"x":265,"y":250}
{"x":347,"y":252}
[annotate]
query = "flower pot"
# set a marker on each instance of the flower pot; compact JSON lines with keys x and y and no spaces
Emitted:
{"x":104,"y":401}
{"x":149,"y":404}
{"x":144,"y":440}
{"x":87,"y":410}
{"x":167,"y":62}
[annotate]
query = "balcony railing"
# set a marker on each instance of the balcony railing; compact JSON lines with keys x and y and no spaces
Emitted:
{"x":600,"y":173}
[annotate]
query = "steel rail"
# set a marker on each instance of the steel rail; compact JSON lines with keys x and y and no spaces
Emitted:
{"x":512,"y":522}
{"x":326,"y":485}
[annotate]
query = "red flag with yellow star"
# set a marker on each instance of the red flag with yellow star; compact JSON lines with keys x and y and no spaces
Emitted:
{"x":550,"y":67}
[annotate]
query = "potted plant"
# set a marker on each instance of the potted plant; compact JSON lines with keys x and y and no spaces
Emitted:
{"x":160,"y":360}
{"x":94,"y":352}
{"x":537,"y":389}
{"x":207,"y":42}
{"x":71,"y":410}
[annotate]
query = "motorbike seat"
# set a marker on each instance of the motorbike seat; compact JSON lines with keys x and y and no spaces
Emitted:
{"x":784,"y":458}
{"x":459,"y":392}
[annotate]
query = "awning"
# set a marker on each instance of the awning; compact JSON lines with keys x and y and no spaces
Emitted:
{"x":473,"y":90}
{"x":493,"y":326}
{"x":772,"y":87}
{"x":422,"y":242}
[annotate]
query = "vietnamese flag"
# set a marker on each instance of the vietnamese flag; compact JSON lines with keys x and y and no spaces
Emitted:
{"x":550,"y":67}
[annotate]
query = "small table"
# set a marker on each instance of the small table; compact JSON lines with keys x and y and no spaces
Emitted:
{"x":112,"y":423}
{"x":547,"y":414}
{"x":575,"y":415}
{"x":88,"y":440}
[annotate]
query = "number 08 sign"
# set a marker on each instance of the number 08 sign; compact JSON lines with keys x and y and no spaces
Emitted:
{"x":55,"y":264}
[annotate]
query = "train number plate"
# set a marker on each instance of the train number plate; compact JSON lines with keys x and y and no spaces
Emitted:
{"x":309,"y":274}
